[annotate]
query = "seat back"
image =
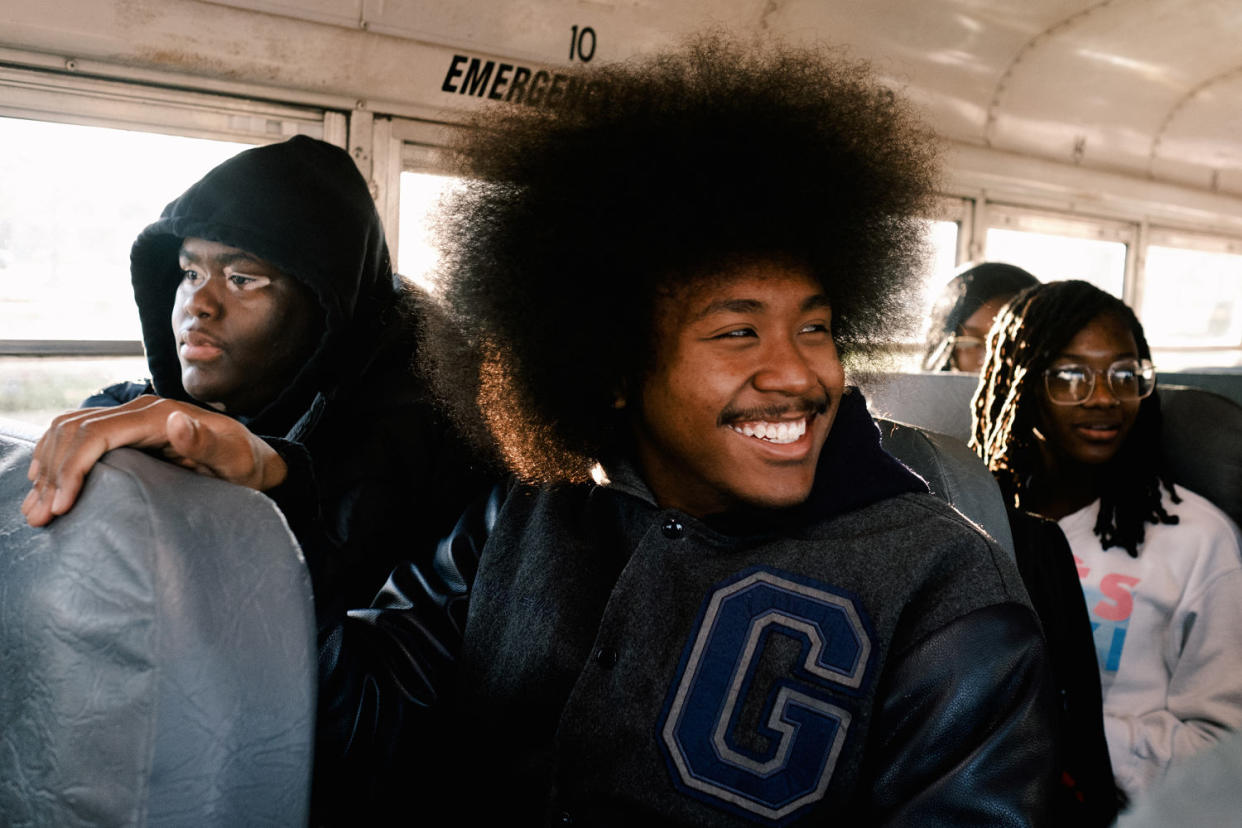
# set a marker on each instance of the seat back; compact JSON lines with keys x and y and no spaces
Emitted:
{"x":1201,"y":441}
{"x":954,"y":473}
{"x":1202,"y":444}
{"x":938,"y":402}
{"x":158,"y":652}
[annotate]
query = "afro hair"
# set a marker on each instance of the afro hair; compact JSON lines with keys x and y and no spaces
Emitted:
{"x":653,"y":174}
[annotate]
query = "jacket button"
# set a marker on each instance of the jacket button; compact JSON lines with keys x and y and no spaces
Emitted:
{"x":606,"y":657}
{"x":673,"y":529}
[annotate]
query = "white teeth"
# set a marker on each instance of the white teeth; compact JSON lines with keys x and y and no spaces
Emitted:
{"x":781,"y":432}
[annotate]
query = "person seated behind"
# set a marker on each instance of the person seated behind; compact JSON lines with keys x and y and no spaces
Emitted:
{"x":715,"y":599}
{"x":286,"y":316}
{"x":963,"y":314}
{"x":1068,"y":419}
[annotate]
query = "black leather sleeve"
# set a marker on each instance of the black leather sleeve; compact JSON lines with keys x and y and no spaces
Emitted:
{"x":382,"y":671}
{"x":963,"y":730}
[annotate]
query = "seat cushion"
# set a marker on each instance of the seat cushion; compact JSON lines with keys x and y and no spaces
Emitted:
{"x":158,"y":653}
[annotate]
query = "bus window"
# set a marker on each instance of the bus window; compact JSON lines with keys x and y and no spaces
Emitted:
{"x":945,"y":246}
{"x":74,"y":198}
{"x":1192,"y":298}
{"x":1051,"y":257}
{"x":1191,"y":302}
{"x":35,"y":389}
{"x":1054,"y":246}
{"x":420,"y":196}
{"x":942,"y":236}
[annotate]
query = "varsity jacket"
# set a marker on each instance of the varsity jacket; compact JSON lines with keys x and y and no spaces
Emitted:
{"x":866,"y":658}
{"x":1168,"y":635}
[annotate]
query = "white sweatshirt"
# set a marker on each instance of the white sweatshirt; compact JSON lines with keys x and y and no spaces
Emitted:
{"x":1168,"y":635}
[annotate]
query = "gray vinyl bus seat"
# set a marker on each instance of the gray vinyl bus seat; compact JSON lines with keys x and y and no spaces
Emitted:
{"x":1202,"y":437}
{"x":938,"y":402}
{"x":1203,"y":445}
{"x":953,"y":472}
{"x":157,"y":648}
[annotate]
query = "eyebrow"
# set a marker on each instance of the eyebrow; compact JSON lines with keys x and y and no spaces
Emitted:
{"x":814,"y":302}
{"x":1084,"y":358}
{"x":222,"y":259}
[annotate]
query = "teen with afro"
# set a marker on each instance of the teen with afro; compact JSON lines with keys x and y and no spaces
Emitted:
{"x":711,"y":597}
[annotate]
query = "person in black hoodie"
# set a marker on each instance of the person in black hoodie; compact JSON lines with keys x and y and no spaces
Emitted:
{"x":325,"y":364}
{"x":266,"y":295}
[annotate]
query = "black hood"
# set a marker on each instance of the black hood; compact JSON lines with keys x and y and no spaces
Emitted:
{"x":303,"y":206}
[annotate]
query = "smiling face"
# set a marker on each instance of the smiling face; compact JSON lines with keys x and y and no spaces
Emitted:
{"x":1091,"y":433}
{"x":243,"y":328}
{"x":743,"y":393}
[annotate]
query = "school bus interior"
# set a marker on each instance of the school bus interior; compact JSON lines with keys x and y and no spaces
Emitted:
{"x":1082,"y":139}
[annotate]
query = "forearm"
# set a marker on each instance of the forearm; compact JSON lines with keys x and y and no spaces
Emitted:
{"x":1142,"y":747}
{"x":1155,"y":725}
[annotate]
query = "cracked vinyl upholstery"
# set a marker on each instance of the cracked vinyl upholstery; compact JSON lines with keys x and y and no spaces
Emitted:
{"x":157,"y":658}
{"x":953,"y":473}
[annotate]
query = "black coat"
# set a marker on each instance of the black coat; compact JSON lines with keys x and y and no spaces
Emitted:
{"x":1087,"y":794}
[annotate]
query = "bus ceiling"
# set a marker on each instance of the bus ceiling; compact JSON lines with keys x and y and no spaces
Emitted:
{"x":1146,"y":92}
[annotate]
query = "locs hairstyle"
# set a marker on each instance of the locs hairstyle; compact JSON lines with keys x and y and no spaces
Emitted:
{"x":646,"y":176}
{"x":1025,"y":339}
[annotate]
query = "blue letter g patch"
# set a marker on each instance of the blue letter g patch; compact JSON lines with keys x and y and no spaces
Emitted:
{"x":802,"y":728}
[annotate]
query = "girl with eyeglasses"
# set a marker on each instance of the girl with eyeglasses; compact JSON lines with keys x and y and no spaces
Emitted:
{"x":1067,"y":418}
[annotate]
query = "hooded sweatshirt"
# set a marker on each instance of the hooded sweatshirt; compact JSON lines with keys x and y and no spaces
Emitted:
{"x":377,"y":471}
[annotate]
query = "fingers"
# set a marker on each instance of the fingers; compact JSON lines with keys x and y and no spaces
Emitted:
{"x":222,"y":447}
{"x":74,"y":443}
{"x":186,"y":440}
{"x":204,"y":441}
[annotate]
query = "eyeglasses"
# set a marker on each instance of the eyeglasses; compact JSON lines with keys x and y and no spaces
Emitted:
{"x":967,"y":343}
{"x":966,"y":352}
{"x":1073,"y":384}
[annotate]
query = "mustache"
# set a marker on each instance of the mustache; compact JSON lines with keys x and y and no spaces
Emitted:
{"x":805,"y":406}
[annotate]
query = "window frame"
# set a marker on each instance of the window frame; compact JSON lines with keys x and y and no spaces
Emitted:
{"x":66,"y":98}
{"x":1198,"y":241}
{"x":1004,"y":215}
